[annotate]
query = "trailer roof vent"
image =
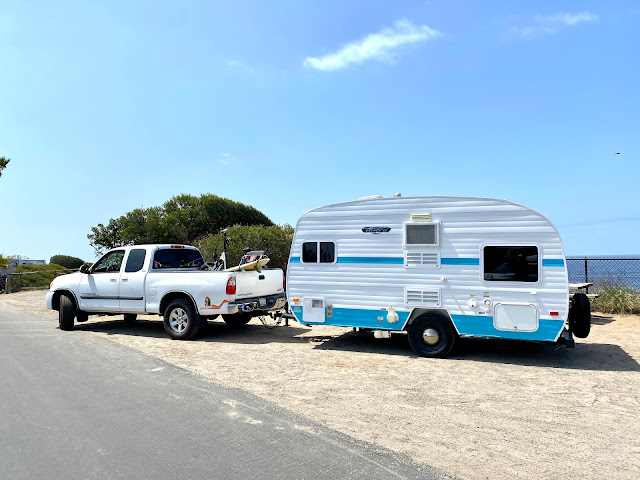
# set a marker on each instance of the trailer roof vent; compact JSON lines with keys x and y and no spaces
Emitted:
{"x":428,"y":297}
{"x":422,"y":259}
{"x":420,"y":216}
{"x":370,"y":197}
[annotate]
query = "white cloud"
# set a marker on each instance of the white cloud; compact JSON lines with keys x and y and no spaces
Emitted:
{"x":549,"y":24}
{"x":239,"y":66}
{"x":224,"y":158}
{"x":377,"y":46}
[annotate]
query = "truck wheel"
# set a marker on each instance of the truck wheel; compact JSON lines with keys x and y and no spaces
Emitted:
{"x":432,"y":335}
{"x":580,"y":316}
{"x":237,"y":320}
{"x":66,"y":312}
{"x":180,"y":321}
{"x":130,"y":318}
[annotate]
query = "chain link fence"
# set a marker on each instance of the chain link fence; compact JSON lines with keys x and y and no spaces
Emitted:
{"x":605,"y":271}
{"x":18,"y":282}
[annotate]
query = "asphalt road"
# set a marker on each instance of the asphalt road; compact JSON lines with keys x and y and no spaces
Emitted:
{"x":75,"y":406}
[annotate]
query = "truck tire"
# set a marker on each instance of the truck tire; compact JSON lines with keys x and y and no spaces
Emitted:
{"x":432,"y":335}
{"x":237,"y":320}
{"x":180,"y":320}
{"x":580,"y":316}
{"x":66,"y":312}
{"x":130,"y":318}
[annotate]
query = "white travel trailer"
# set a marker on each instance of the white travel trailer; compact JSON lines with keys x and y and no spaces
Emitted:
{"x":436,"y":267}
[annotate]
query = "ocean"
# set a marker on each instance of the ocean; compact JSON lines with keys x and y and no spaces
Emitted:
{"x":618,"y":269}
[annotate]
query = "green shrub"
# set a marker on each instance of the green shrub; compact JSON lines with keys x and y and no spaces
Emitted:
{"x":616,"y":297}
{"x":27,"y":276}
{"x":67,"y":261}
{"x":275,"y":239}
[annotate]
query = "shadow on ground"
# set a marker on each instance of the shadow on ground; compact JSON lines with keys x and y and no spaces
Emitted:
{"x":585,"y":356}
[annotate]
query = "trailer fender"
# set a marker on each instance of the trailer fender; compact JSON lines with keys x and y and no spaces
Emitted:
{"x":416,"y":312}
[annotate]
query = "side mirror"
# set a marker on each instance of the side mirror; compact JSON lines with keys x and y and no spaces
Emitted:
{"x":84,"y":268}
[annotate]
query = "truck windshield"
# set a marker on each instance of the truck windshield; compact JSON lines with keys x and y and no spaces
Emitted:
{"x":177,"y":258}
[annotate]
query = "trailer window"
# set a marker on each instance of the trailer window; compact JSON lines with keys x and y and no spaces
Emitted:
{"x":318,"y":252}
{"x":510,"y":264}
{"x":422,"y":234}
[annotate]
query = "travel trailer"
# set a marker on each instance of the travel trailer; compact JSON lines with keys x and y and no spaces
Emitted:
{"x":437,"y":268}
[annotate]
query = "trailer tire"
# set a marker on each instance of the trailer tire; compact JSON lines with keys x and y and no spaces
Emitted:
{"x":130,"y":318}
{"x":432,"y":335}
{"x":580,"y":316}
{"x":237,"y":320}
{"x":180,"y":320}
{"x":66,"y":312}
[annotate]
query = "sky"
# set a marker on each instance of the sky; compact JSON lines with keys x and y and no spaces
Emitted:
{"x":289,"y":105}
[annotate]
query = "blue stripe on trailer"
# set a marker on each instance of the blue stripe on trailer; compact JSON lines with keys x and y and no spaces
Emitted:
{"x":459,"y":261}
{"x":552,"y":262}
{"x":482,"y":326}
{"x":359,"y":318}
{"x":378,"y":260}
{"x":294,"y":260}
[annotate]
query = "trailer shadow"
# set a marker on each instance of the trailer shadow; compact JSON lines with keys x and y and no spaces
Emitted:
{"x":585,"y":356}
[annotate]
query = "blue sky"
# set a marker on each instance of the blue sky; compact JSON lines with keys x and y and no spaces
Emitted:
{"x":289,"y":105}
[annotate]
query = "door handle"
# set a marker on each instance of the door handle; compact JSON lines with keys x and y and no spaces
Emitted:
{"x":113,"y":279}
{"x":125,"y":279}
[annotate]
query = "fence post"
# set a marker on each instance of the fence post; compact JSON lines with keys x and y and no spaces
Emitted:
{"x":6,"y":285}
{"x":586,"y":271}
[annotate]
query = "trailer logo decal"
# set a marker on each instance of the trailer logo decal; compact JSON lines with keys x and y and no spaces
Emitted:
{"x":375,"y":230}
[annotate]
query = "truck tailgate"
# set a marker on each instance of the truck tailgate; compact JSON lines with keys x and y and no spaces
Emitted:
{"x":256,"y":284}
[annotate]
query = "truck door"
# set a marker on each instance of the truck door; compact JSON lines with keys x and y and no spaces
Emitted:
{"x":100,"y":288}
{"x":132,"y":281}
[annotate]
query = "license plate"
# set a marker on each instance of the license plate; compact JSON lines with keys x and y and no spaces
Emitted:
{"x":262,"y":302}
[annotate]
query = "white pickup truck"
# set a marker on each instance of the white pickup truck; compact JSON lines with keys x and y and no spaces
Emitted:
{"x":168,"y":280}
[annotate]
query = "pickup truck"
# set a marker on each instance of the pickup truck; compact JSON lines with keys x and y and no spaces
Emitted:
{"x":169,"y":280}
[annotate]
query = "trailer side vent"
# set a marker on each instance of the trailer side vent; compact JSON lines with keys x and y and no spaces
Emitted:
{"x":420,"y":216}
{"x":422,"y":259}
{"x":423,"y":297}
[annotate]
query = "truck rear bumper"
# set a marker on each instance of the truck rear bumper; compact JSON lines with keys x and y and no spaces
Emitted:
{"x":267,"y":303}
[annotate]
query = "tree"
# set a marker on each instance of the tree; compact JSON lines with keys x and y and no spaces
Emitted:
{"x":4,"y":263}
{"x":182,"y":219}
{"x":66,"y":261}
{"x":3,"y":164}
{"x":275,"y":239}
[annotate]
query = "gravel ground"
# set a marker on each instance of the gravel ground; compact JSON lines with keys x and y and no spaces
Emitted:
{"x":495,"y":409}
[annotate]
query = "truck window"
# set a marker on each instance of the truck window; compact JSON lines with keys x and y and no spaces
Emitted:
{"x":135,"y":260}
{"x":510,"y":263}
{"x":177,"y":258}
{"x":318,"y":252}
{"x":109,"y":263}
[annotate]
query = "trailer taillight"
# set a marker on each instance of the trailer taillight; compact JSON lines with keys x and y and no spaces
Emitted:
{"x":231,"y":286}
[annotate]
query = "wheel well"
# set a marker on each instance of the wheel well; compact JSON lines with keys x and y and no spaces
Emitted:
{"x":171,"y":296}
{"x":55,"y":301}
{"x":421,"y":311}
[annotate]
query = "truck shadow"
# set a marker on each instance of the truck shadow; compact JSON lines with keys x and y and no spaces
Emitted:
{"x":214,"y":332}
{"x":585,"y":356}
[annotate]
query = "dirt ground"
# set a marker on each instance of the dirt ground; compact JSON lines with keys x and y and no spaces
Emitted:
{"x":496,"y":409}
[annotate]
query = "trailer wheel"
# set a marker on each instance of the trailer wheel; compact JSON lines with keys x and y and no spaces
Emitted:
{"x":66,"y":312}
{"x":130,"y":318}
{"x":432,"y":335}
{"x":237,"y":320}
{"x":180,"y":320}
{"x":580,"y":316}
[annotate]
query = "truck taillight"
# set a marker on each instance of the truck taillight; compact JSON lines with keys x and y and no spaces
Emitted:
{"x":231,"y":286}
{"x":284,"y":282}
